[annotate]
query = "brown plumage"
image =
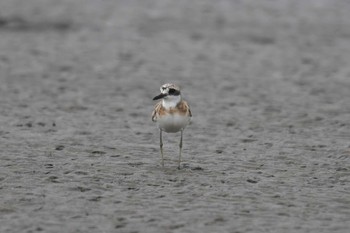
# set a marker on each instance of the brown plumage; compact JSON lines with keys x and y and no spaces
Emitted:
{"x":181,"y":108}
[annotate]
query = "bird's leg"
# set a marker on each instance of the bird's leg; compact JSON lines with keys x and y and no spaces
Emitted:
{"x":161,"y":147}
{"x":180,"y":150}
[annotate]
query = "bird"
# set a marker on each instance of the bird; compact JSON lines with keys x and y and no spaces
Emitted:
{"x":172,"y":114}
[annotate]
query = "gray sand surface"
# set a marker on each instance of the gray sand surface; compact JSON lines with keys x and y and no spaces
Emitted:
{"x":268,"y":83}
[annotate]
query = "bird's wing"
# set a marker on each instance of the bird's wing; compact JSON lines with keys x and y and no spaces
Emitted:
{"x":155,"y":110}
{"x":184,"y":108}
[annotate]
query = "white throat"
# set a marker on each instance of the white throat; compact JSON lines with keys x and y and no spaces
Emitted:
{"x":171,"y":101}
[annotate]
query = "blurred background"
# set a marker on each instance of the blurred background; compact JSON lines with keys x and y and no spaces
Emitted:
{"x":268,"y":83}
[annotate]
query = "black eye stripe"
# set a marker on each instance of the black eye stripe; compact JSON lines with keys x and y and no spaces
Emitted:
{"x":173,"y":92}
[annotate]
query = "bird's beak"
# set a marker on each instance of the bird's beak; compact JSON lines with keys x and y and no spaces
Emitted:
{"x":160,"y":96}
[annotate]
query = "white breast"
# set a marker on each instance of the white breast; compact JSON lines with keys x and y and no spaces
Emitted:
{"x":173,"y":123}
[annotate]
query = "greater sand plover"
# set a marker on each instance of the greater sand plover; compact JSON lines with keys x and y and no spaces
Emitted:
{"x":172,"y":114}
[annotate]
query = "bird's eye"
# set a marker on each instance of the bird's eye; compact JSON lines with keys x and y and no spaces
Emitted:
{"x":163,"y":88}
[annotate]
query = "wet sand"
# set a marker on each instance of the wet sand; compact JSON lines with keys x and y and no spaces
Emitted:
{"x":268,"y":84}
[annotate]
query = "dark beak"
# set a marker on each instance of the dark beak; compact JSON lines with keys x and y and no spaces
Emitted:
{"x":160,"y":96}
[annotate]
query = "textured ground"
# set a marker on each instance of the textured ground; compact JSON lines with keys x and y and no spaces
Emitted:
{"x":269,"y":87}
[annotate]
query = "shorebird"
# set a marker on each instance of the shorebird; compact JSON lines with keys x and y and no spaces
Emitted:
{"x":172,"y":114}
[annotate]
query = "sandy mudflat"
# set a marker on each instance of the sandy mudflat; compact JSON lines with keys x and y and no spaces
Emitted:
{"x":269,"y":87}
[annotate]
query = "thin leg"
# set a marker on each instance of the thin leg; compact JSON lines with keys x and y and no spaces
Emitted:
{"x":180,"y":150}
{"x":161,"y":146}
